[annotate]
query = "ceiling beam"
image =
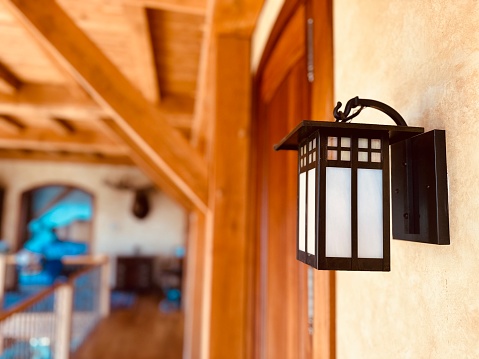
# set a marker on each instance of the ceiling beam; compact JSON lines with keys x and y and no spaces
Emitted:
{"x":9,"y":82}
{"x":47,"y":140}
{"x":10,"y":124}
{"x":33,"y":100}
{"x":173,"y":157}
{"x":57,"y":101}
{"x":149,"y":167}
{"x":196,"y":7}
{"x":143,"y":52}
{"x":62,"y":126}
{"x":203,"y":86}
{"x":63,"y":156}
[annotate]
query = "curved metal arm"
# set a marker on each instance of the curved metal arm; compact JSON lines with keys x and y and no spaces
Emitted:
{"x":362,"y":103}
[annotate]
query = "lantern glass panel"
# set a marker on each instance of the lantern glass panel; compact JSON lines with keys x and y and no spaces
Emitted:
{"x":312,"y":211}
{"x":363,"y":143}
{"x":345,"y":156}
{"x":345,"y":142}
{"x":332,"y":155}
{"x":338,"y":212}
{"x":362,"y":156}
{"x":370,"y":213}
{"x":332,"y":141}
{"x":375,"y":157}
{"x":302,"y":213}
{"x":376,"y":144}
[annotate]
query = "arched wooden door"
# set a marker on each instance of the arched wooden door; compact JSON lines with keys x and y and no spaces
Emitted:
{"x":286,"y":328}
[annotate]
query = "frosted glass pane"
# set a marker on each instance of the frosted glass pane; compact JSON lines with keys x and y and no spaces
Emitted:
{"x":345,"y":156}
{"x":338,"y":212}
{"x":370,"y":213}
{"x":333,"y":141}
{"x":332,"y":155}
{"x":362,"y":156}
{"x":363,"y":143}
{"x":345,"y":142}
{"x":375,"y":157}
{"x":302,"y":213}
{"x":376,"y":144}
{"x":312,"y":211}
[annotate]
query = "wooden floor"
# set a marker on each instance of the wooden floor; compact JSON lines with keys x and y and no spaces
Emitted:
{"x":142,"y":332}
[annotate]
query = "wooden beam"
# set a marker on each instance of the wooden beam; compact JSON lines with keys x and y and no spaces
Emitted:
{"x":148,"y":166}
{"x":204,"y":85}
{"x":62,"y":126}
{"x":63,"y":156}
{"x":57,"y":101}
{"x":195,"y":287}
{"x":196,"y":7}
{"x":236,"y":16}
{"x":322,"y":104}
{"x":143,"y":52}
{"x":10,"y":124}
{"x":33,"y":100}
{"x":229,"y":331}
{"x":141,"y":121}
{"x":45,"y":140}
{"x":9,"y":82}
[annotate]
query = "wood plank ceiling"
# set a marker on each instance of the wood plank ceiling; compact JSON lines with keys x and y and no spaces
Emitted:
{"x":45,"y":113}
{"x":116,"y":81}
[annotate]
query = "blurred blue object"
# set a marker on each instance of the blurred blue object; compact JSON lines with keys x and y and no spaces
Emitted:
{"x":40,"y":348}
{"x":45,"y":242}
{"x":4,"y":247}
{"x":62,"y":214}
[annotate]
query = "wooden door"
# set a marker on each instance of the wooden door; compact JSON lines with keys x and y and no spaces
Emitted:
{"x":284,"y":94}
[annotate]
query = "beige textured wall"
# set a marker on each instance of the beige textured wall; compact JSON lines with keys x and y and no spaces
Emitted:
{"x":116,"y":230}
{"x":422,"y":58}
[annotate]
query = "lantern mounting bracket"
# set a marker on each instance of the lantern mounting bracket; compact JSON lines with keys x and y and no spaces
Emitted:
{"x":341,"y":116}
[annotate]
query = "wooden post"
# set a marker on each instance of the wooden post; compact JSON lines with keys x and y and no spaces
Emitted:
{"x":63,"y":314}
{"x":3,"y":275}
{"x":229,"y":332}
{"x":105,"y":288}
{"x":194,"y":286}
{"x":322,"y":104}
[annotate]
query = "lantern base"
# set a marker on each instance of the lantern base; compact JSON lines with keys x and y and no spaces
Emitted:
{"x":419,"y":190}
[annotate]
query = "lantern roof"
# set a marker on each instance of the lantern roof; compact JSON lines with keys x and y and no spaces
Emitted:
{"x":307,"y":128}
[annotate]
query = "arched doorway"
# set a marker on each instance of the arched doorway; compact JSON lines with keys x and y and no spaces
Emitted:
{"x":56,"y":214}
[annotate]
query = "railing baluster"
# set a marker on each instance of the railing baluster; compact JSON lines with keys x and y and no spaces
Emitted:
{"x":63,"y":313}
{"x":104,"y":288}
{"x":57,"y":318}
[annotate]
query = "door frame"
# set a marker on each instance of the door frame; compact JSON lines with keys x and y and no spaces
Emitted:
{"x":322,"y":343}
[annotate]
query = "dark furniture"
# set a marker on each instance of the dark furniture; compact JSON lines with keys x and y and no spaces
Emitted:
{"x":135,"y":273}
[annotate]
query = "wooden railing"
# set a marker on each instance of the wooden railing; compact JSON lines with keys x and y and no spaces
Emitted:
{"x":55,"y":321}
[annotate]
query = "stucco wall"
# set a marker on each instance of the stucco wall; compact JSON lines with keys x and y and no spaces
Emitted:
{"x":422,"y":58}
{"x":115,"y":229}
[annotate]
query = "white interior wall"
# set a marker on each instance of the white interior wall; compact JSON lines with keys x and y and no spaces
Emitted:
{"x":115,"y":229}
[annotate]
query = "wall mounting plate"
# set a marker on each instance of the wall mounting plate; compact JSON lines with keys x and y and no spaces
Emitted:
{"x":419,"y":189}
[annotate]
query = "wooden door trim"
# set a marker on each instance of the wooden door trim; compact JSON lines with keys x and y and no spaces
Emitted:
{"x":287,"y":11}
{"x":322,"y":103}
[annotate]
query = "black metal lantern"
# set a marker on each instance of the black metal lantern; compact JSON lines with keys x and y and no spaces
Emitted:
{"x":343,"y":188}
